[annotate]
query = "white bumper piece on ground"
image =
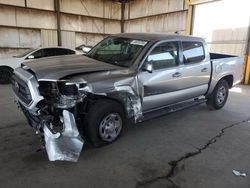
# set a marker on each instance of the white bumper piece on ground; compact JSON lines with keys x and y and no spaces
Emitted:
{"x":65,"y":145}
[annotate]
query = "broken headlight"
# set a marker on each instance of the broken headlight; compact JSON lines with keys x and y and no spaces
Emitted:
{"x":67,"y":88}
{"x":69,"y":94}
{"x":62,"y":94}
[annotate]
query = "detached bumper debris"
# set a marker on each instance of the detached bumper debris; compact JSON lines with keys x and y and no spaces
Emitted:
{"x":238,"y":173}
{"x":64,"y":146}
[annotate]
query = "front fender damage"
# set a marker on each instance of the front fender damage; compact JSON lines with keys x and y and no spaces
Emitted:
{"x":67,"y":144}
{"x":131,"y":101}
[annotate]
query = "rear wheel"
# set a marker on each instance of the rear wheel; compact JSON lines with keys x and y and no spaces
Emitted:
{"x":103,"y":123}
{"x":5,"y":75}
{"x":219,"y":96}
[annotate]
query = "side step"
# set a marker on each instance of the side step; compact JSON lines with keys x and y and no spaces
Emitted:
{"x":173,"y":108}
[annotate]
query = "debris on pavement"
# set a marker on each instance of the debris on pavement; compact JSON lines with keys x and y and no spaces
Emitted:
{"x":238,"y":173}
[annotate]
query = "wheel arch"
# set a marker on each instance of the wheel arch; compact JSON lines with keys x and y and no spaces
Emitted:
{"x":229,"y":79}
{"x":129,"y":102}
{"x":93,"y":98}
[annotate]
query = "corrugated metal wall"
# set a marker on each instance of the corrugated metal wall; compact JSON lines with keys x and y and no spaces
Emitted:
{"x":91,"y":20}
{"x":32,"y":23}
{"x":156,"y":16}
{"x":48,"y":37}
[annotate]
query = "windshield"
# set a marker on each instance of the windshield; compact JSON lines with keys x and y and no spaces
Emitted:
{"x":26,"y":52}
{"x":117,"y":50}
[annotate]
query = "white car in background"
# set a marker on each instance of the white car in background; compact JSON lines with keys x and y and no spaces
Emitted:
{"x":7,"y":65}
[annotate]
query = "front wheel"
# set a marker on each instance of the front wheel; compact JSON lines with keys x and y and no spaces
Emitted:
{"x":103,"y":123}
{"x":219,"y":96}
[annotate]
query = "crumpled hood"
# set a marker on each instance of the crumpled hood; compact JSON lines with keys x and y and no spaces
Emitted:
{"x":55,"y":68}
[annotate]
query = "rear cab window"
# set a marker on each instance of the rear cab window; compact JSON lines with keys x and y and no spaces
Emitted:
{"x":193,"y":52}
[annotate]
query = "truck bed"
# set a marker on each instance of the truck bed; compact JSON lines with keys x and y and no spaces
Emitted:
{"x":223,"y":64}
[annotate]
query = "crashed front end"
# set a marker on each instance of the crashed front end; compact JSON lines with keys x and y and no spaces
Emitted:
{"x":50,"y":109}
{"x":56,"y":108}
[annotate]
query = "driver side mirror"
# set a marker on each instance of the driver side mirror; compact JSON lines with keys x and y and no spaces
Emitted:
{"x":30,"y":57}
{"x":148,"y":66}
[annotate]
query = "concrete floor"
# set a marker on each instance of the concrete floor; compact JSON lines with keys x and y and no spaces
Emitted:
{"x":188,"y":149}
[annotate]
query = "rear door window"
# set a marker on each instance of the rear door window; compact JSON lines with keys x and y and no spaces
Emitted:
{"x":164,"y":55}
{"x":193,"y":52}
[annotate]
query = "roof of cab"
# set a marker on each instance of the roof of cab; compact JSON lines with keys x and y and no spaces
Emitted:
{"x":157,"y":36}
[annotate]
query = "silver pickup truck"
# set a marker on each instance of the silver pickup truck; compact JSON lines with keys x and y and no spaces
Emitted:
{"x":136,"y":76}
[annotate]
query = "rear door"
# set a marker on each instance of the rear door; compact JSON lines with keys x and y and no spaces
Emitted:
{"x":196,"y":67}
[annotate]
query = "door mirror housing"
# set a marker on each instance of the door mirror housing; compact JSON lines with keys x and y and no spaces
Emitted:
{"x":148,"y":67}
{"x":31,"y":57}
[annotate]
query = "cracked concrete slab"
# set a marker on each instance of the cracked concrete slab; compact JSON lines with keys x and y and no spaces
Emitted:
{"x":142,"y":153}
{"x":213,"y":167}
{"x":178,"y":164}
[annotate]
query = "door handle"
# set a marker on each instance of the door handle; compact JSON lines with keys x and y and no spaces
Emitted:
{"x":177,"y":74}
{"x":204,"y":70}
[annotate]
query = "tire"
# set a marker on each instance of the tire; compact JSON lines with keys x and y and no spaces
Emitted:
{"x":219,"y":96}
{"x":5,"y":75}
{"x":103,"y":123}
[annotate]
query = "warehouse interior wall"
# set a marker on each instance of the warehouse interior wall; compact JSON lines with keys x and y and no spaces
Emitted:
{"x":167,"y":16}
{"x":28,"y":24}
